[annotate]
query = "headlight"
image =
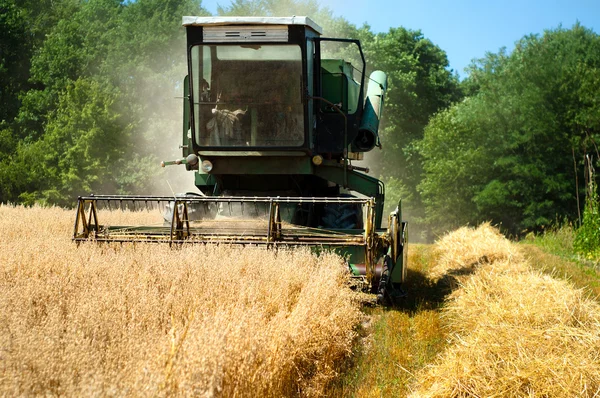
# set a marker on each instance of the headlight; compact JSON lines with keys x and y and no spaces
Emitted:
{"x":192,"y":160}
{"x":206,"y":166}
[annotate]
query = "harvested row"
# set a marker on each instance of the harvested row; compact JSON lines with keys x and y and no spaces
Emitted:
{"x":149,"y":320}
{"x":515,"y":332}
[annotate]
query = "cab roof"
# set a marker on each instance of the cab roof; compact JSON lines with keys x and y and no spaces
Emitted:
{"x":224,"y":21}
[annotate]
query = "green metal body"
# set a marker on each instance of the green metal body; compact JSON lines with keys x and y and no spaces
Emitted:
{"x":369,"y":125}
{"x":339,"y":121}
{"x":338,"y":85}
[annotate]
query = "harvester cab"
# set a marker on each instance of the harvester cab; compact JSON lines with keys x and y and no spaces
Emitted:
{"x":273,"y":119}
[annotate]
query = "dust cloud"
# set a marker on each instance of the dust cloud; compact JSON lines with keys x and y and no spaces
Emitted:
{"x":160,"y":134}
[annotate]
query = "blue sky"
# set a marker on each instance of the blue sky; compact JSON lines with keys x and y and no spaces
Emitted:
{"x":465,"y":29}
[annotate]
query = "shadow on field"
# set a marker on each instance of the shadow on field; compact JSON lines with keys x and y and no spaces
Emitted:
{"x":424,"y":294}
{"x":395,"y":342}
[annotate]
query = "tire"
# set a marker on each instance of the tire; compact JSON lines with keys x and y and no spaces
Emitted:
{"x":382,"y":295}
{"x":342,"y":216}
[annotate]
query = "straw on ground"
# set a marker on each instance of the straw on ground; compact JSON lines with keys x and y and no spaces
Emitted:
{"x":515,"y":332}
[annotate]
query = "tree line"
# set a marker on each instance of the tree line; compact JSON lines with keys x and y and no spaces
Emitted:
{"x":513,"y":150}
{"x":87,"y":94}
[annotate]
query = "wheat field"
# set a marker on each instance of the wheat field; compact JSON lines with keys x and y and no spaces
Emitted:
{"x":147,"y":320}
{"x":209,"y":321}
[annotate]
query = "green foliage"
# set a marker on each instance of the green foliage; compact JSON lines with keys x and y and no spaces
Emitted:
{"x":395,"y":192}
{"x":13,"y":60}
{"x":97,"y":92}
{"x":23,"y":28}
{"x":553,"y":253}
{"x":507,"y":153}
{"x":587,"y":236}
{"x":557,"y":239}
{"x":453,"y":156}
{"x":419,"y":85}
{"x":84,"y":140}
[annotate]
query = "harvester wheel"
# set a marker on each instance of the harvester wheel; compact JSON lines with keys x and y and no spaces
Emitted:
{"x":342,"y":216}
{"x":382,"y":297}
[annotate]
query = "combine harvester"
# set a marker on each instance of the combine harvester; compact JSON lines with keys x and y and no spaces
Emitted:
{"x":270,"y":129}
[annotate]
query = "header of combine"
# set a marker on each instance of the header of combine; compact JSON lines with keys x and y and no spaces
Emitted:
{"x":273,"y":110}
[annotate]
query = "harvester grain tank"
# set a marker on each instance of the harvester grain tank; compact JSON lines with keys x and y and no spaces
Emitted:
{"x":273,"y":121}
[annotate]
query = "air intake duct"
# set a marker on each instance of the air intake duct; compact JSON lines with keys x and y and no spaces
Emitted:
{"x":367,"y":136}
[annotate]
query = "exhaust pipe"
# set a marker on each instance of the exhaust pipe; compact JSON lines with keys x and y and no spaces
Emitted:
{"x":368,"y":136}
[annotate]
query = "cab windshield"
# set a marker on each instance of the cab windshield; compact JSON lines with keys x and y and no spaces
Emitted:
{"x":247,"y":95}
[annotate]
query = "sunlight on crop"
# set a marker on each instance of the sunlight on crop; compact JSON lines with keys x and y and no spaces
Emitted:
{"x":514,"y":331}
{"x":148,"y":320}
